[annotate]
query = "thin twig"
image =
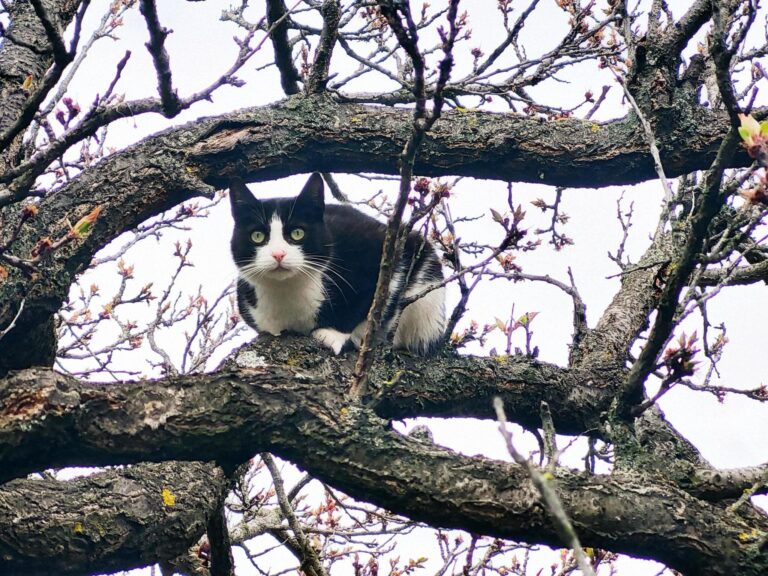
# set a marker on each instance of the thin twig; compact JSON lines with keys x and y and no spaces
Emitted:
{"x":546,"y":489}
{"x":395,"y":235}
{"x":310,"y":559}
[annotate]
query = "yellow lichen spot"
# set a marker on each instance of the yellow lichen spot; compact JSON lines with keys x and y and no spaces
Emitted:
{"x":395,"y":379}
{"x":344,"y":412}
{"x":78,"y":529}
{"x":754,"y":534}
{"x":356,"y":120}
{"x":28,"y":83}
{"x":169,"y":498}
{"x":500,"y":359}
{"x":595,"y":127}
{"x":547,"y":476}
{"x":293,"y":361}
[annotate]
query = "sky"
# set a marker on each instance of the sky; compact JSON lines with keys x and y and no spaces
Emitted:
{"x":729,"y":434}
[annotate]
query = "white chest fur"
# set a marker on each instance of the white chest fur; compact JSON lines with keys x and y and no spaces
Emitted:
{"x":291,"y":304}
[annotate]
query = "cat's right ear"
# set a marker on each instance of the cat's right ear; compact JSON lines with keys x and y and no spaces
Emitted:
{"x":240,"y":198}
{"x":312,"y":197}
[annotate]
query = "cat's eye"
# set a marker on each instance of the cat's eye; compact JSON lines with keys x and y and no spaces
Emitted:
{"x":297,"y":234}
{"x":258,"y":237}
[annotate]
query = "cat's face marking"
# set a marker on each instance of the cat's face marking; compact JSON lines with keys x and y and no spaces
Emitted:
{"x":280,"y":239}
{"x":277,"y":258}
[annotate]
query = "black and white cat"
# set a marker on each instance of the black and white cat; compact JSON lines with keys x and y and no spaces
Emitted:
{"x":310,"y":268}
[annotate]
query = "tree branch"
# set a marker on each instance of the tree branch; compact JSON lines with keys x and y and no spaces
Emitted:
{"x":24,"y":82}
{"x":277,"y":14}
{"x":294,"y":137}
{"x":114,"y":520}
{"x":156,"y":46}
{"x":706,"y":209}
{"x":318,"y":77}
{"x":726,"y":484}
{"x":408,"y":387}
{"x":310,"y":562}
{"x":48,"y":420}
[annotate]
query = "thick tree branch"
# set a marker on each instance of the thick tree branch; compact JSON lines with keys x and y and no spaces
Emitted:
{"x":222,"y":562}
{"x":304,"y":134}
{"x":48,"y":419}
{"x":627,"y":314}
{"x":727,"y":484}
{"x":114,"y":520}
{"x":739,"y":276}
{"x":547,"y":492}
{"x":24,"y":58}
{"x":409,"y":387}
{"x":689,"y":24}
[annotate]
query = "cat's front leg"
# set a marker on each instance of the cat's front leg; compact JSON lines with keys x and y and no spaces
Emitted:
{"x":331,"y":338}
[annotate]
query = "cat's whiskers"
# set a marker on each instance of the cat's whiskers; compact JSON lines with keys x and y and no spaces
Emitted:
{"x":323,"y":271}
{"x":308,"y":273}
{"x":330,"y":267}
{"x":323,"y":279}
{"x":254,"y":271}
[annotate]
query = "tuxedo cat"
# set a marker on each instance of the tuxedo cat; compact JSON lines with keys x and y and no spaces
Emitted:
{"x":310,"y":268}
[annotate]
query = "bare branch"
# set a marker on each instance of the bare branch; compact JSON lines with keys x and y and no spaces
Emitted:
{"x":547,"y":492}
{"x":277,"y":15}
{"x":318,"y":77}
{"x":395,"y":236}
{"x":310,"y":562}
{"x":156,"y":46}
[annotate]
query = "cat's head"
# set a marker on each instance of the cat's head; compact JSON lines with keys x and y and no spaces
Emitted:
{"x":281,"y":238}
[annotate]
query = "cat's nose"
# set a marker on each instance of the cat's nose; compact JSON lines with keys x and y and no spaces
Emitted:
{"x":278,"y":255}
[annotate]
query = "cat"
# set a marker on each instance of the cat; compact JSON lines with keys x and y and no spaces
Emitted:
{"x":310,"y":268}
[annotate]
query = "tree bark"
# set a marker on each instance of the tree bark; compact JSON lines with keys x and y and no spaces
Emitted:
{"x":299,"y":411}
{"x":114,"y":520}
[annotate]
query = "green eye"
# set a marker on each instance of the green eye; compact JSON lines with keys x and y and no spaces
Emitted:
{"x":258,"y":237}
{"x":297,"y":234}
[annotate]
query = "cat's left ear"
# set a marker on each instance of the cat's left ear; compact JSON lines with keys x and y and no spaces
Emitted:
{"x":312,"y":196}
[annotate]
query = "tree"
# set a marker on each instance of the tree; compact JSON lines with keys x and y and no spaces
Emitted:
{"x":64,"y":195}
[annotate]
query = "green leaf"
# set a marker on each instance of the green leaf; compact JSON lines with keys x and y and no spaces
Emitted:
{"x":744,"y":133}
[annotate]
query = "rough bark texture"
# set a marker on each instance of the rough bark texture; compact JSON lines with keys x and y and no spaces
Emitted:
{"x":42,"y":413}
{"x":25,"y":56}
{"x":298,"y":410}
{"x":114,"y":520}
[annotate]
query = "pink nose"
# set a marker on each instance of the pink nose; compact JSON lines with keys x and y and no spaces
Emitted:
{"x":278,"y":255}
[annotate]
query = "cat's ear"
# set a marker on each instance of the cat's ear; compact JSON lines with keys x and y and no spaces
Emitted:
{"x":312,"y":197}
{"x":240,"y":198}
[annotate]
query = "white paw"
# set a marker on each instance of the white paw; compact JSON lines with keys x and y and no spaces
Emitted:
{"x":331,"y":338}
